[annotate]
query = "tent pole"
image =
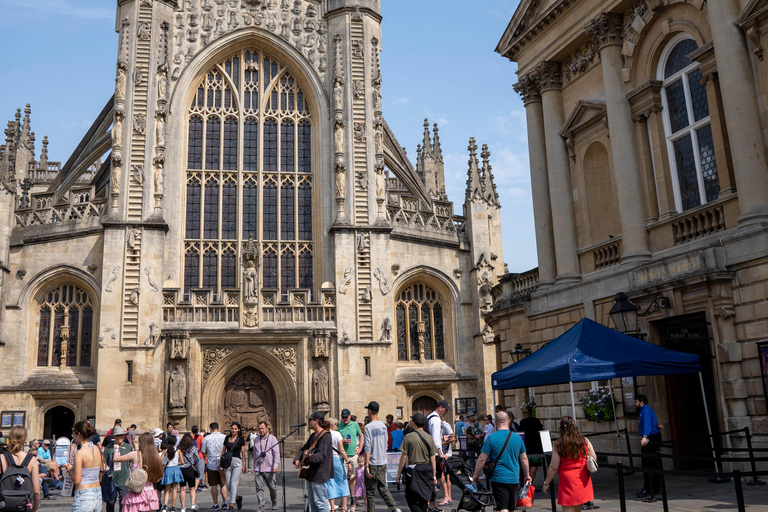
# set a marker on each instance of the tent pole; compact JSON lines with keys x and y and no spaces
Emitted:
{"x":615,"y":418}
{"x":573,"y":402}
{"x":495,"y":403}
{"x":709,"y":423}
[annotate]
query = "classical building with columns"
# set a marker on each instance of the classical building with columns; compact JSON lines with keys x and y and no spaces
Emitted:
{"x":647,"y":132}
{"x":240,"y":236}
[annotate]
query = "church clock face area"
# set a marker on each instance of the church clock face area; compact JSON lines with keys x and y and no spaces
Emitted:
{"x":254,"y":243}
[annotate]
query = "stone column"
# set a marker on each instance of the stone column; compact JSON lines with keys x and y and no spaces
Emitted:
{"x":607,"y":32}
{"x":537,"y":152}
{"x":549,"y":78}
{"x":745,"y":134}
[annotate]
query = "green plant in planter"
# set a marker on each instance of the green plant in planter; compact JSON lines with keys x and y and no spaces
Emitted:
{"x":598,"y":405}
{"x":529,"y":402}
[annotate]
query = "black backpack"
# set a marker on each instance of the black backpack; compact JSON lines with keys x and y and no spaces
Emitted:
{"x":16,"y":487}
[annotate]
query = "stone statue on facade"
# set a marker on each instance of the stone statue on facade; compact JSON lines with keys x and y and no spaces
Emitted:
{"x":320,"y":383}
{"x":345,"y":281}
{"x":386,"y":329}
{"x":178,"y":388}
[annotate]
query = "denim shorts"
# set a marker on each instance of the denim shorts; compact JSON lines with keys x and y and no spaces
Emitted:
{"x":87,"y":500}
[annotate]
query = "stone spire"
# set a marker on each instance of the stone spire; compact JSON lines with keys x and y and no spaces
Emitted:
{"x":474,"y":180}
{"x":429,"y":164}
{"x":43,"y":162}
{"x":489,"y":187}
{"x":427,"y":143}
{"x":438,"y":151}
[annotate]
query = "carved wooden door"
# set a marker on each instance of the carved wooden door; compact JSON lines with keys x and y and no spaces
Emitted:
{"x":248,"y":399}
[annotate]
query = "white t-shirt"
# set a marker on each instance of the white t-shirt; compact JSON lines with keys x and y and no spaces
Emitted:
{"x":174,"y":462}
{"x":488,"y":430}
{"x":446,"y":430}
{"x":335,"y":438}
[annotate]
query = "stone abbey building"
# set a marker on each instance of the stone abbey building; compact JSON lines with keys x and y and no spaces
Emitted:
{"x":648,"y":133}
{"x":240,"y":236}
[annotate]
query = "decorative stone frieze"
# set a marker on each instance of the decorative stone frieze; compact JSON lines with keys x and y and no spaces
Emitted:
{"x":606,"y":30}
{"x":579,"y":62}
{"x":212,"y":356}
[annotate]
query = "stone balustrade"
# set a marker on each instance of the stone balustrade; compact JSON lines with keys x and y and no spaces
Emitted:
{"x":701,"y":223}
{"x":44,"y":213}
{"x":607,"y":255}
{"x":514,"y":288}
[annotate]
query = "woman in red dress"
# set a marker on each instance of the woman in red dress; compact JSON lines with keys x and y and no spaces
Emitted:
{"x":569,"y":461}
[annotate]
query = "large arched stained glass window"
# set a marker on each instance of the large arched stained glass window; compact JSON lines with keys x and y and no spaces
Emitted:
{"x":419,"y":315}
{"x":249,"y":175}
{"x":65,"y":307}
{"x":687,"y":125}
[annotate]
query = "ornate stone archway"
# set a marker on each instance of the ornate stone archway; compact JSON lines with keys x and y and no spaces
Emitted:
{"x":223,"y":368}
{"x":248,"y":399}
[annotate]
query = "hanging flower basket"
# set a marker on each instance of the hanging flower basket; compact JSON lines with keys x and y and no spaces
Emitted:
{"x":598,"y":405}
{"x":529,"y":402}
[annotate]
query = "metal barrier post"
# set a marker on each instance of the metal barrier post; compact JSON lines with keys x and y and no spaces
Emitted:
{"x":622,"y":492}
{"x":660,"y":464}
{"x":739,"y":490}
{"x":755,"y":480}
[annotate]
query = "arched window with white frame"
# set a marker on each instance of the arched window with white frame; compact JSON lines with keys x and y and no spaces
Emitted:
{"x":687,"y":125}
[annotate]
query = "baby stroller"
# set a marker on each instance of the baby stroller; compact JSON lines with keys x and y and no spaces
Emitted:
{"x":460,"y":473}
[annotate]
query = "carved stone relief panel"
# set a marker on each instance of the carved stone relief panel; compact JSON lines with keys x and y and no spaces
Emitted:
{"x":248,"y":399}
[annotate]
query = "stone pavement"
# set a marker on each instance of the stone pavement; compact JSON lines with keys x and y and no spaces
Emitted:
{"x":686,"y":494}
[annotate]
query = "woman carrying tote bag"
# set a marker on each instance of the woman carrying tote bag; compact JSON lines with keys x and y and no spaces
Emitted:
{"x":146,"y":466}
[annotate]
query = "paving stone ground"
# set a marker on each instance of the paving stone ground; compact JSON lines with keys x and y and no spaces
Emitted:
{"x":686,"y":494}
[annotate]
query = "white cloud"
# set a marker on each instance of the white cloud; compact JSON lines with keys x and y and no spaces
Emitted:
{"x":66,"y":8}
{"x":401,"y":101}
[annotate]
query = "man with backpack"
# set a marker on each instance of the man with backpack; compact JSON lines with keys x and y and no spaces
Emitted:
{"x":19,"y":476}
{"x":419,"y":454}
{"x":121,"y":470}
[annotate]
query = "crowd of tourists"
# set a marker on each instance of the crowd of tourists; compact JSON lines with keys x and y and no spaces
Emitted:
{"x":342,"y":460}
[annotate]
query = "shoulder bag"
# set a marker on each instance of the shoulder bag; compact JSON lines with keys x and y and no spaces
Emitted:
{"x":591,"y":462}
{"x":490,"y":465}
{"x":137,"y":479}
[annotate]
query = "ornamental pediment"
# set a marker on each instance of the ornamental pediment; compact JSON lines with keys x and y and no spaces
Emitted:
{"x":755,"y":10}
{"x":584,"y":115}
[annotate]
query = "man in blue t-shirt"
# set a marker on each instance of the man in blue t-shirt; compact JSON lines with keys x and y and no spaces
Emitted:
{"x":648,"y":426}
{"x":509,"y":460}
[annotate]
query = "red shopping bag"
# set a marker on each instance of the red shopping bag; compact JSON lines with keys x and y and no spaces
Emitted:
{"x":525,"y":496}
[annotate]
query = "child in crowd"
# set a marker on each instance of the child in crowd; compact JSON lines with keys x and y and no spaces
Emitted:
{"x":359,"y":491}
{"x":172,"y":476}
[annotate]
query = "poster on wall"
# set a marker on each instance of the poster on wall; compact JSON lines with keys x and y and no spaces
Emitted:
{"x":19,"y":417}
{"x":6,"y":421}
{"x":628,"y":392}
{"x":471,"y":405}
{"x":762,"y":350}
{"x":461,"y":405}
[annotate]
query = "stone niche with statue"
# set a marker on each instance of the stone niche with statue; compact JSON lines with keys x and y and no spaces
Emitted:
{"x":177,"y":369}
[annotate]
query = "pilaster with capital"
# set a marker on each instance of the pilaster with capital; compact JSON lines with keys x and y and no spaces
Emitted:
{"x":548,"y":78}
{"x":607,"y":32}
{"x":528,"y":89}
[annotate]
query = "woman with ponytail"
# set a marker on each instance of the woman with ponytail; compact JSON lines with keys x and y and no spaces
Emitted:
{"x":145,"y":458}
{"x":87,"y":469}
{"x":17,"y":438}
{"x":172,"y":476}
{"x":569,"y":461}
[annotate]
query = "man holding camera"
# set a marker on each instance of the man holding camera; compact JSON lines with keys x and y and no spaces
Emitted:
{"x":266,"y":461}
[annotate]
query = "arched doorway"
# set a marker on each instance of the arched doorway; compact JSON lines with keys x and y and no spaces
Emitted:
{"x":424,"y":404}
{"x":248,"y":399}
{"x":59,"y":421}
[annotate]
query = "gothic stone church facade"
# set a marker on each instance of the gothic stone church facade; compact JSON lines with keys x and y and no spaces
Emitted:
{"x":240,"y":236}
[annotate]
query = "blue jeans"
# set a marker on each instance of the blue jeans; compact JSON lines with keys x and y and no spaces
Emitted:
{"x":317,"y":494}
{"x":87,"y":500}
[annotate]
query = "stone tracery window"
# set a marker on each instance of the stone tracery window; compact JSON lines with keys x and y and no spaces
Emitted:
{"x":249,"y":174}
{"x":419,"y":315}
{"x":687,"y":126}
{"x":65,"y":307}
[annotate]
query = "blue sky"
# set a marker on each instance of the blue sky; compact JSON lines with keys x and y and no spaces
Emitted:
{"x":437,"y":62}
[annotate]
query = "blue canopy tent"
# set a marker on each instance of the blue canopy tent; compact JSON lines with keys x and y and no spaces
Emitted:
{"x":590,"y":351}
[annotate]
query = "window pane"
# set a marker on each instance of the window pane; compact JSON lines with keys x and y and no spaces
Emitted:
{"x":413,"y":316}
{"x":74,"y":317}
{"x":708,"y":164}
{"x":287,"y":215}
{"x":677,"y":111}
{"x":269,"y":222}
{"x":191,"y":272}
{"x":678,"y":59}
{"x":195,"y":149}
{"x":251,"y":145}
{"x":210,"y":262}
{"x":698,"y":95}
{"x":402,"y":354}
{"x":305,"y":147}
{"x":228,"y":269}
{"x":211,"y":222}
{"x":230,"y":144}
{"x":212,"y":136}
{"x":305,"y":270}
{"x":437,"y":311}
{"x":426,"y":317}
{"x":43,"y":336}
{"x":270,"y":270}
{"x":287,"y":272}
{"x":287,"y":140}
{"x":305,"y":212}
{"x":193,"y":209}
{"x":250,"y":211}
{"x":229,"y":211}
{"x":58,"y":321}
{"x":686,"y":173}
{"x":87,"y":337}
{"x":270,"y":146}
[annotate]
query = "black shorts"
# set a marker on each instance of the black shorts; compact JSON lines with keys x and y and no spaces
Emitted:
{"x":439,"y":467}
{"x":189,"y":477}
{"x":505,"y":495}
